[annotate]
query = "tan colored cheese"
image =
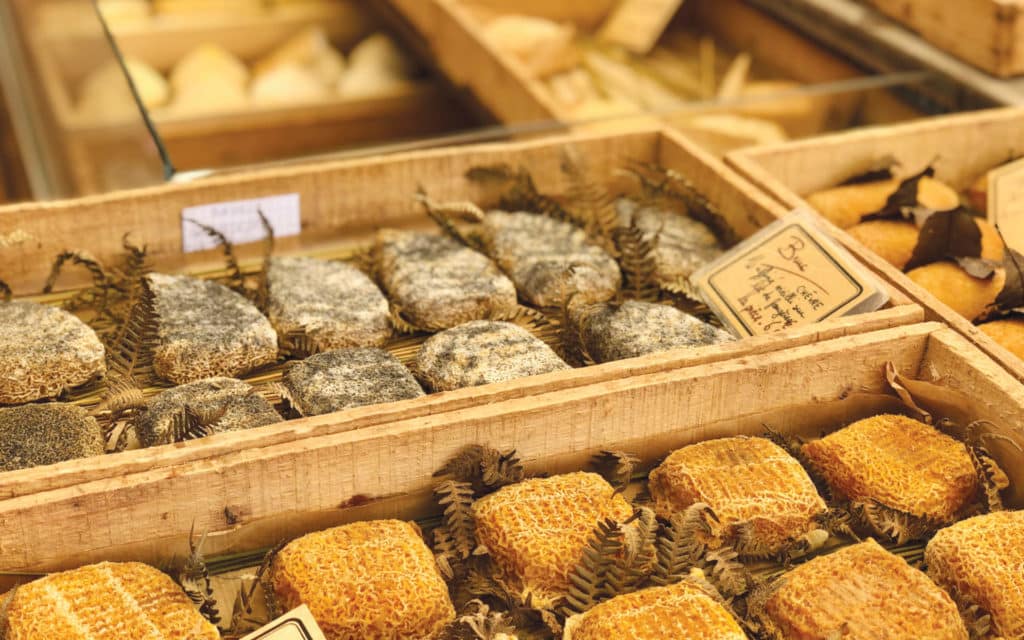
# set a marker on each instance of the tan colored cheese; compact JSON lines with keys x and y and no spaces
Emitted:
{"x":371,"y":580}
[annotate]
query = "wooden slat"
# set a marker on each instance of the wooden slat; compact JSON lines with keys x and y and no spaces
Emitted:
{"x":961,"y":148}
{"x":452,"y":31}
{"x":252,"y":135}
{"x":986,"y":33}
{"x":255,"y":497}
{"x":343,"y":202}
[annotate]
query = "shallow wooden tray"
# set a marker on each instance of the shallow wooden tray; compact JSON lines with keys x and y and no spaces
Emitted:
{"x":230,"y":137}
{"x":450,"y":30}
{"x":342,"y":203}
{"x":256,"y":497}
{"x":961,"y":147}
{"x":986,"y":33}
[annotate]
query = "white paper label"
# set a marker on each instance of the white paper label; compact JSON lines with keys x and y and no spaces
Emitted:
{"x":1006,"y":202}
{"x":295,"y":625}
{"x":239,"y":221}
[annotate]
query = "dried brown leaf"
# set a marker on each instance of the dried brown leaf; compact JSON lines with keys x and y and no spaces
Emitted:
{"x":945,"y":235}
{"x":900,"y":205}
{"x":897,"y":382}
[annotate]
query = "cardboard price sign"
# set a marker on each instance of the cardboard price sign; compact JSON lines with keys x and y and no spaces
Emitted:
{"x":1006,"y":202}
{"x":788,"y":274}
{"x":294,"y":625}
{"x":638,"y":24}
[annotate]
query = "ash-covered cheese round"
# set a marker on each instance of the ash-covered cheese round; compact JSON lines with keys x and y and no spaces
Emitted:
{"x":482,"y":352}
{"x":230,"y":404}
{"x":618,"y":331}
{"x":438,"y":283}
{"x":44,"y":351}
{"x":374,"y":580}
{"x":206,"y":330}
{"x":346,"y":378}
{"x":549,"y":260}
{"x":36,"y":434}
{"x":335,"y":304}
{"x":682,"y":244}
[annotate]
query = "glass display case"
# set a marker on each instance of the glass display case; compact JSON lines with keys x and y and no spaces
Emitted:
{"x":117,"y":94}
{"x":213,"y":85}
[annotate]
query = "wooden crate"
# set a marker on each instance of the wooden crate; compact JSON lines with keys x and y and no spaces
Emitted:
{"x":255,"y":497}
{"x":451,"y":31}
{"x":228,"y":138}
{"x":961,"y":148}
{"x":986,"y":33}
{"x":342,"y":203}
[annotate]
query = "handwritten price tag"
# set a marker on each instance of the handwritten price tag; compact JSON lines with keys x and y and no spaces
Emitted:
{"x":638,"y":24}
{"x":1006,"y":202}
{"x":295,"y":625}
{"x":239,"y":221}
{"x":788,"y":274}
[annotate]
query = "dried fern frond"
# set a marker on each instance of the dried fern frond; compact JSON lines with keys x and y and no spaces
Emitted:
{"x":589,"y":204}
{"x":98,"y":295}
{"x":639,"y":553}
{"x":532,"y":616}
{"x":754,"y":603}
{"x":130,"y":349}
{"x":897,"y":524}
{"x":726,"y":572}
{"x":530,"y":319}
{"x":135,"y":264}
{"x":446,"y":555}
{"x":637,"y":261}
{"x":519,"y":192}
{"x":235,"y":279}
{"x":456,"y":498}
{"x":297,"y":343}
{"x":617,"y":467}
{"x":484,"y":468}
{"x":260,"y":295}
{"x":673,"y":185}
{"x":188,"y":424}
{"x":194,"y":579}
{"x":991,"y":479}
{"x":838,"y":521}
{"x":681,"y":544}
{"x":400,"y":323}
{"x":78,"y":258}
{"x":589,"y":578}
{"x":479,"y":622}
{"x":977,"y":620}
{"x":444,"y":214}
{"x":263,"y":579}
{"x":242,"y":622}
